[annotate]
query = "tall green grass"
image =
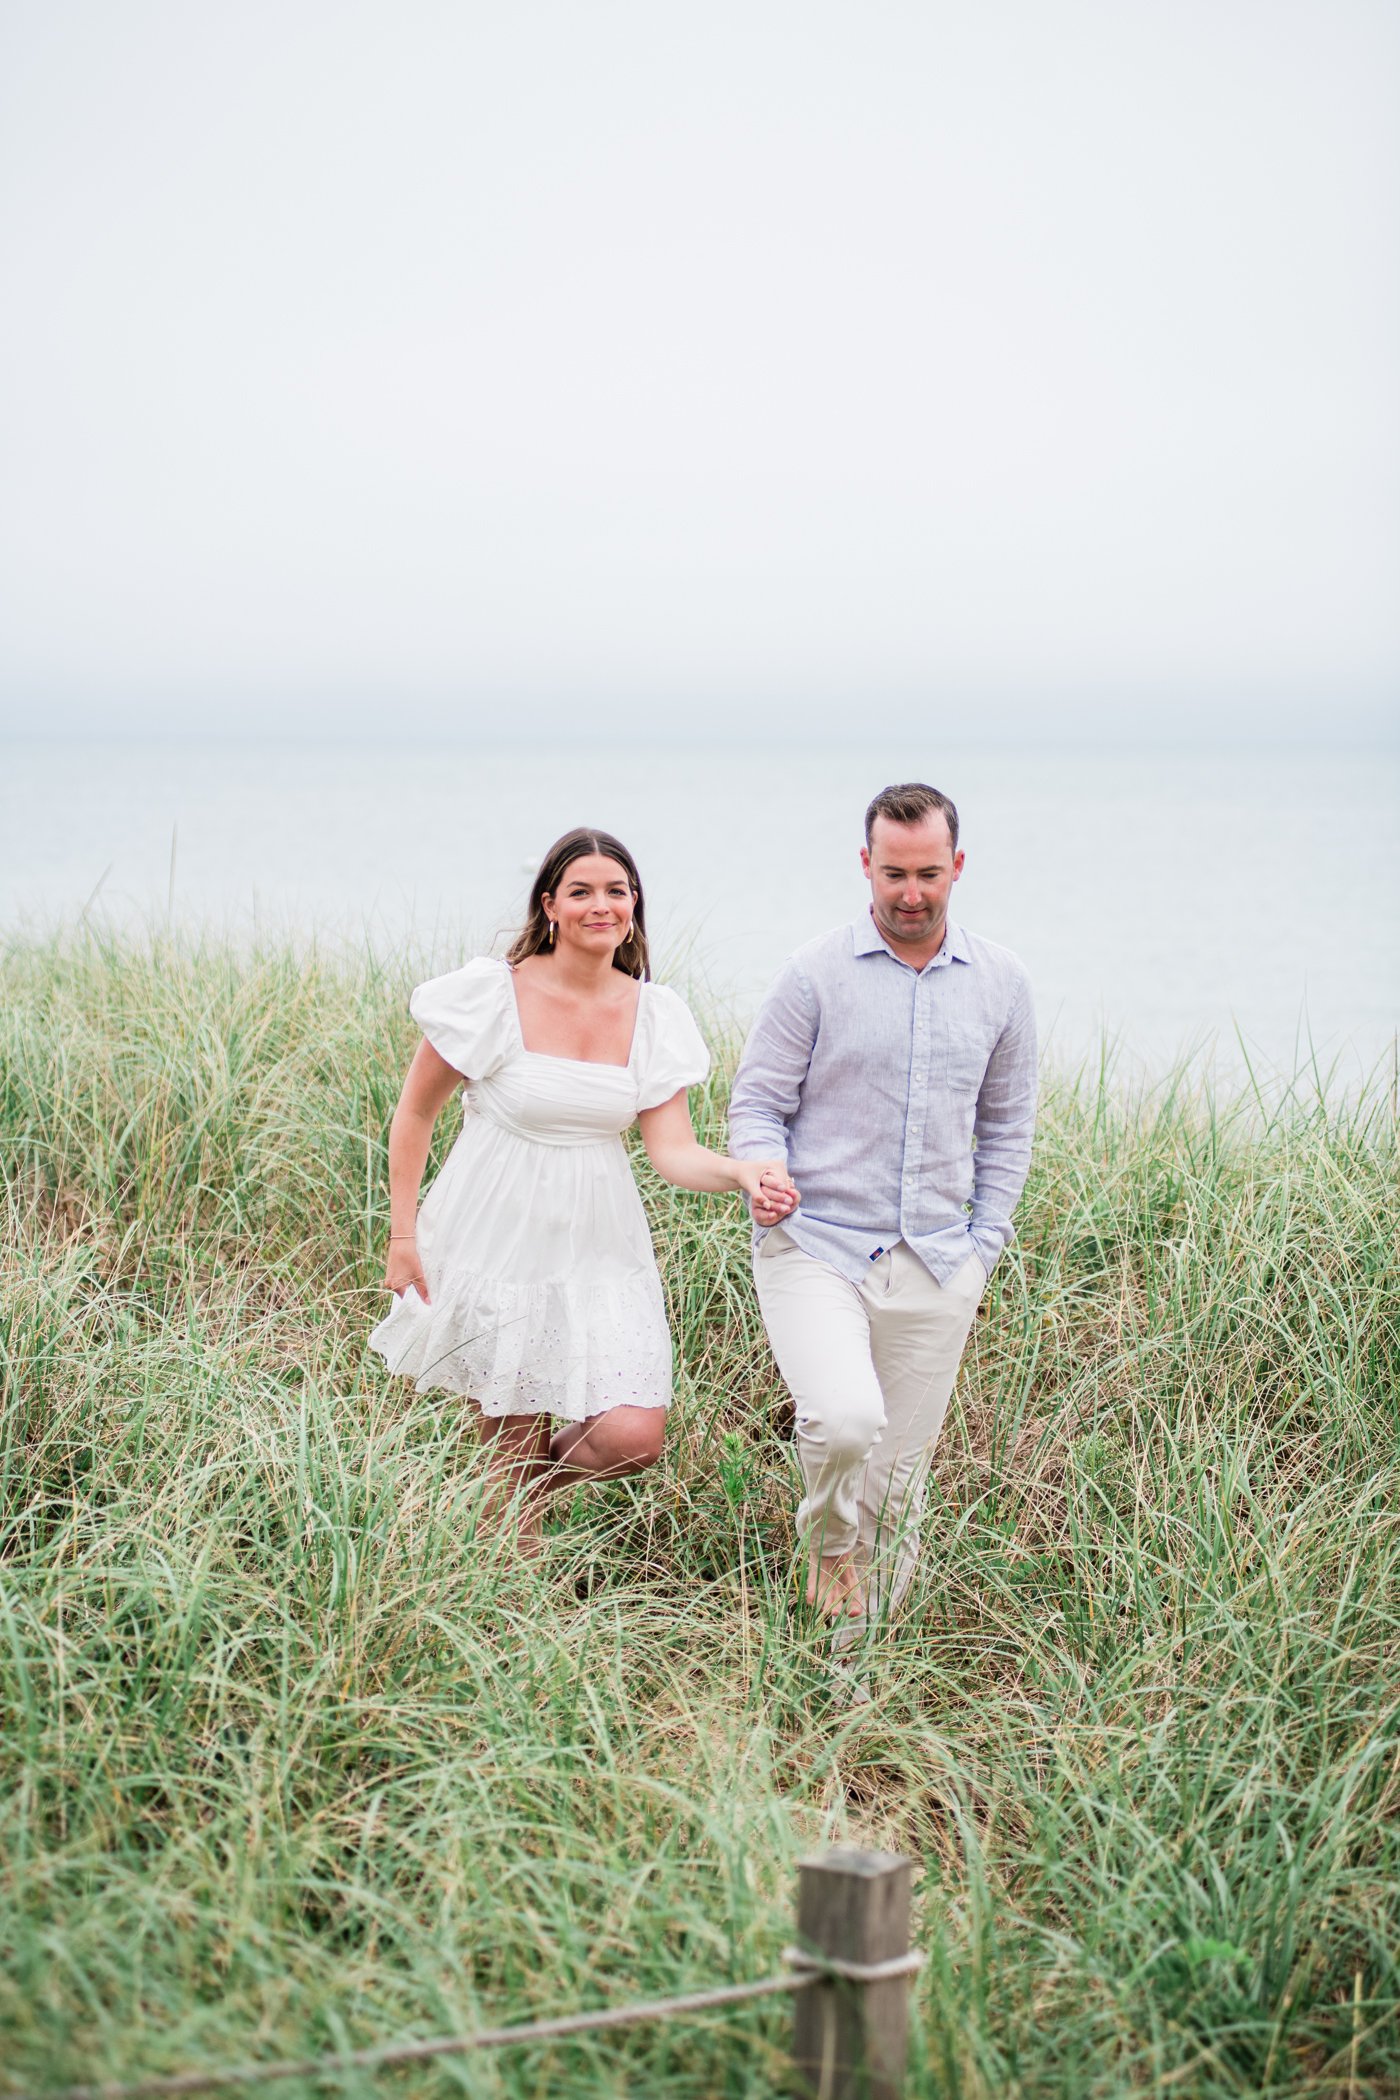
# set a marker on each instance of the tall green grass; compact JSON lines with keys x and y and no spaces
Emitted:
{"x":291,"y":1762}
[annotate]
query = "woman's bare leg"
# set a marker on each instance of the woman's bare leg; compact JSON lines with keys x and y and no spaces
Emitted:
{"x":517,"y":1458}
{"x":605,"y":1447}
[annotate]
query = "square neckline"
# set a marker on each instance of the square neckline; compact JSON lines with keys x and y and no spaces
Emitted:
{"x":596,"y":1064}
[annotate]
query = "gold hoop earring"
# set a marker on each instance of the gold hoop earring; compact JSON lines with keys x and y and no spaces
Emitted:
{"x":551,"y":933}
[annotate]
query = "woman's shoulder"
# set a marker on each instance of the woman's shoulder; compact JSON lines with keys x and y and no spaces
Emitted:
{"x":484,"y":969}
{"x":464,"y":1014}
{"x":482,"y":976}
{"x":671,"y":1050}
{"x":664,"y":998}
{"x":665,"y":1011}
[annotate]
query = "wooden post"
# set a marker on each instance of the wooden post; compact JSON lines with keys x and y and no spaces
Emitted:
{"x":853,"y":2037}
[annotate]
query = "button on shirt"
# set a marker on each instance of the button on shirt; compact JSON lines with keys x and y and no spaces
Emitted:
{"x":903,"y":1100}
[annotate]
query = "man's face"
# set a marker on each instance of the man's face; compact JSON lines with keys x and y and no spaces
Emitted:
{"x":912,"y":869}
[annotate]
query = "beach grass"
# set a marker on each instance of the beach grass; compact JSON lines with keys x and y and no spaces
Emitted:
{"x":291,"y":1763}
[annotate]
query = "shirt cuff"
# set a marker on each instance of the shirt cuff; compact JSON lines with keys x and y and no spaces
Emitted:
{"x":988,"y":1244}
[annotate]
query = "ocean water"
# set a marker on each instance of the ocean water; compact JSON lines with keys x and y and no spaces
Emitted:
{"x":1230,"y":905}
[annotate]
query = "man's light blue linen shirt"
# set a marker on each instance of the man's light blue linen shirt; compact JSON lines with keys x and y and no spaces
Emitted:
{"x":903,"y":1100}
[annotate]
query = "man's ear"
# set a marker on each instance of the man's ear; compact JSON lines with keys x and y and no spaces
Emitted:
{"x":865,"y":860}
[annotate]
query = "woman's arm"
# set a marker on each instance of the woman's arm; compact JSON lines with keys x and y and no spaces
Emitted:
{"x":678,"y":1158}
{"x":430,"y":1085}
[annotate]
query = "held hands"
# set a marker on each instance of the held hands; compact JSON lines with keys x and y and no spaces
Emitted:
{"x":403,"y":1268}
{"x":769,"y":1188}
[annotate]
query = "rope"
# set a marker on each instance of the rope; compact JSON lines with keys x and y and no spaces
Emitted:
{"x":812,"y":1968}
{"x":824,"y":1966}
{"x":443,"y":2045}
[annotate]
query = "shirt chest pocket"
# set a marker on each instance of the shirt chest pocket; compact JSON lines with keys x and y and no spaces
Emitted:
{"x":966,"y":1055}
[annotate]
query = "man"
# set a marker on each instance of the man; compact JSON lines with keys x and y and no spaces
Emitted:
{"x":893,"y":1065}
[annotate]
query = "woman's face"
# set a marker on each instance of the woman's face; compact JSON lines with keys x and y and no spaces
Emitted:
{"x":592,"y":907}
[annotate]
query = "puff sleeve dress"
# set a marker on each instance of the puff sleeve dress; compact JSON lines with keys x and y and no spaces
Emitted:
{"x":544,"y":1287}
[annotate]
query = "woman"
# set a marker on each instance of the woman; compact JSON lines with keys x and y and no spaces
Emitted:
{"x":528,"y":1280}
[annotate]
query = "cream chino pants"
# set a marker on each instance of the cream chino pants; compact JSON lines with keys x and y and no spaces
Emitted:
{"x":871,"y":1367}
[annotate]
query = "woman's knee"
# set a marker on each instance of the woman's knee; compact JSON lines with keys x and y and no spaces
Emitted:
{"x":629,"y":1439}
{"x":646,"y":1436}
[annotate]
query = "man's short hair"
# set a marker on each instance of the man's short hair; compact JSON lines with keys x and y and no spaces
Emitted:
{"x":910,"y":804}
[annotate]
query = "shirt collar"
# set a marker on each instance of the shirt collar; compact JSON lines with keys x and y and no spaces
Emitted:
{"x":869,"y":940}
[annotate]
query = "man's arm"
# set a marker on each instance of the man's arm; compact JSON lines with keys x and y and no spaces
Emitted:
{"x":1003,"y":1129}
{"x":768,"y":1085}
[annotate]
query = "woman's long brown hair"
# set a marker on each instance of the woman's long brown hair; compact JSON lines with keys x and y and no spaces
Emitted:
{"x":631,"y":956}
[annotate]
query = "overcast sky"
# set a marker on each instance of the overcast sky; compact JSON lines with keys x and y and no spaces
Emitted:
{"x":652,"y":368}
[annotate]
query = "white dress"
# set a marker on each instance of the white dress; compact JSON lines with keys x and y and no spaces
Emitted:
{"x":545,"y":1298}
